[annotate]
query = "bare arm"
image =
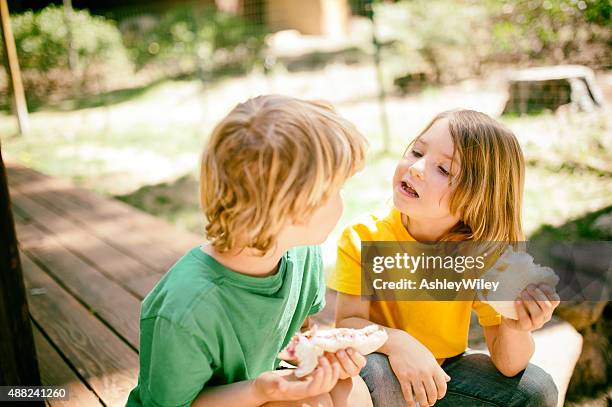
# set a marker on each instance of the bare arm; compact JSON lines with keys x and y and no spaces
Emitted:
{"x":352,"y":311}
{"x":510,"y":349}
{"x":279,"y":385}
{"x":510,"y":343}
{"x":276,"y":385}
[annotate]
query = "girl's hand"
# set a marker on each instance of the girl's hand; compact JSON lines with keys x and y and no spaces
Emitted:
{"x":282,"y":385}
{"x":351,"y":362}
{"x":419,"y":374}
{"x":534,"y":308}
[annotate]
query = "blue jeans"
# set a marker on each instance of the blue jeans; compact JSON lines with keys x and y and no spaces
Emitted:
{"x":475,"y":382}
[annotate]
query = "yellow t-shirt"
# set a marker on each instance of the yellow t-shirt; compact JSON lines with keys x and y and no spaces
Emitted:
{"x":442,"y":326}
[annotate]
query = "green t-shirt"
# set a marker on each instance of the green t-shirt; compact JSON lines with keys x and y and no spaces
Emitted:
{"x":205,"y":325}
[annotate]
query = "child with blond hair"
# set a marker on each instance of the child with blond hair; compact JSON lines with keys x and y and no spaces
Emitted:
{"x":460,"y":179}
{"x":212,"y":328}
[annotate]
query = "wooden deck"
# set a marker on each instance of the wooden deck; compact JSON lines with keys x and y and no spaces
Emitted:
{"x":87,"y":261}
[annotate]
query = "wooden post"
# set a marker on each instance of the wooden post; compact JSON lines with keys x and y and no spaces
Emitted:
{"x":68,"y":17}
{"x":382,"y":96}
{"x":12,"y":65}
{"x":18,"y":363}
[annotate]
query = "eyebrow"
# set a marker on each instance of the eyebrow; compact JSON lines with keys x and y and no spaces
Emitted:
{"x":424,"y":142}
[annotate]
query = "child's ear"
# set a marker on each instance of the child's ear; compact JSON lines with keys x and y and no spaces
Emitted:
{"x":298,"y":222}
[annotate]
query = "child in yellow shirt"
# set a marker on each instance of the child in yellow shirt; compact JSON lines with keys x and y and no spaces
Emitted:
{"x":460,"y":179}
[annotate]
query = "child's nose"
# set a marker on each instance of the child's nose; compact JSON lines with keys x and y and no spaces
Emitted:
{"x":417,"y":169}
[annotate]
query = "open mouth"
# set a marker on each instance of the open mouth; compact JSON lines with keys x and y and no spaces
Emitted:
{"x":407,"y":188}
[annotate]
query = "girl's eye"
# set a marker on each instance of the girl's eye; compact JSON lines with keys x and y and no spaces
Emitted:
{"x":443,"y":171}
{"x":416,"y":154}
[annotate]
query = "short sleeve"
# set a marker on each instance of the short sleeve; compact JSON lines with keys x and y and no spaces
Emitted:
{"x":319,"y":301}
{"x":174,"y":364}
{"x":487,"y":316}
{"x":346,"y":276}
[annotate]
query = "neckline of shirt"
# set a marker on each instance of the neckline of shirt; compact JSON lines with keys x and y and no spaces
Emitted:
{"x":265,"y":284}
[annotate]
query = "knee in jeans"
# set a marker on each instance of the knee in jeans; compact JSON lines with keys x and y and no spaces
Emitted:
{"x":538,"y":388}
{"x":385,"y":389}
{"x":377,"y":369}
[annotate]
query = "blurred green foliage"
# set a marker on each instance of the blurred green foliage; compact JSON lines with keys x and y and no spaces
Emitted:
{"x":184,"y":40}
{"x":595,"y":225}
{"x":450,"y":40}
{"x":442,"y":40}
{"x":553,"y":30}
{"x":192,"y":39}
{"x":42,"y":41}
{"x":445,"y":38}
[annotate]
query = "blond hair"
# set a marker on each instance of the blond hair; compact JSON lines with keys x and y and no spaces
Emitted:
{"x":487,"y":191}
{"x":272,"y":160}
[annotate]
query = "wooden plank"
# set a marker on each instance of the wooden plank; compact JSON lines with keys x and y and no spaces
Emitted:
{"x":91,"y":226}
{"x":96,"y":252}
{"x":20,"y":215}
{"x":102,"y":296}
{"x":89,"y":208}
{"x":139,"y":283}
{"x":105,"y":362}
{"x":120,"y":229}
{"x":181,"y":240}
{"x":143,"y":285}
{"x":29,"y":237}
{"x":54,"y":371}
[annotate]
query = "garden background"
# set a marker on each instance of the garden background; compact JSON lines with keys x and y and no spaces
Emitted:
{"x":122,"y":98}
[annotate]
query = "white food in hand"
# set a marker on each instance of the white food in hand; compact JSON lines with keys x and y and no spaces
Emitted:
{"x":515,"y":271}
{"x":306,"y":348}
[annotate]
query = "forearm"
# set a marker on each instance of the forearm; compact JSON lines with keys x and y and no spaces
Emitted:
{"x":240,"y":394}
{"x":396,"y":336}
{"x":511,"y":350}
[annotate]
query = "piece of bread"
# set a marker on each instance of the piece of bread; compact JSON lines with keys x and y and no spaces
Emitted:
{"x":306,"y":348}
{"x":514,"y":271}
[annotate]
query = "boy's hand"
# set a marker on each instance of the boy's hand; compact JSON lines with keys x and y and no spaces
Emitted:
{"x":351,"y":362}
{"x":420,"y":376}
{"x":282,"y":385}
{"x":534,"y":308}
